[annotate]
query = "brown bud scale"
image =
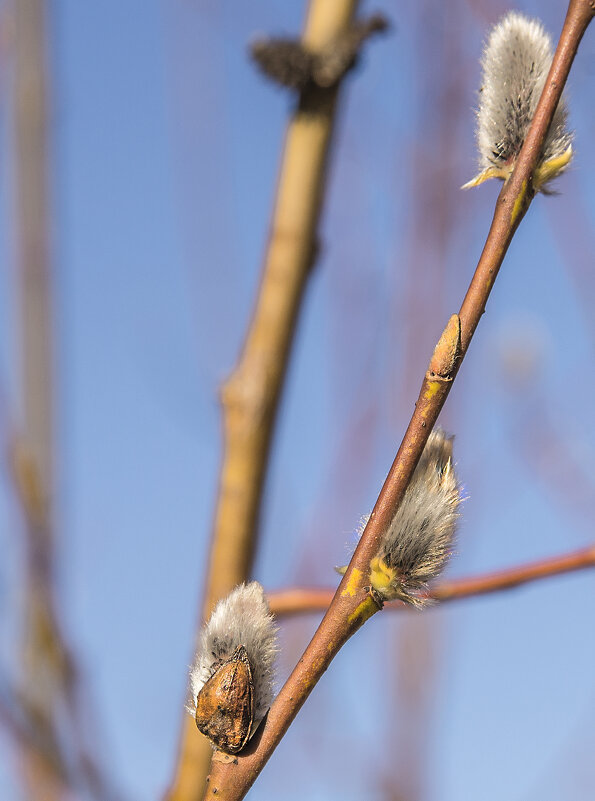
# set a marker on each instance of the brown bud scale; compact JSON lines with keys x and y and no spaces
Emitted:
{"x":225,"y":704}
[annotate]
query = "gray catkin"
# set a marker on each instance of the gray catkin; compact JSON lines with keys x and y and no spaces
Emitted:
{"x":515,"y":64}
{"x":419,"y":539}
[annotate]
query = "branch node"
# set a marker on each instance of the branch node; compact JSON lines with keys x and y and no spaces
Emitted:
{"x":376,"y":597}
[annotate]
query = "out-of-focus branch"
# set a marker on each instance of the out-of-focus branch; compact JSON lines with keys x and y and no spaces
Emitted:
{"x":300,"y":600}
{"x":251,"y":394}
{"x":51,"y":746}
{"x":352,"y":604}
{"x":514,"y":576}
{"x":33,"y":244}
{"x":42,"y":758}
{"x":44,"y":662}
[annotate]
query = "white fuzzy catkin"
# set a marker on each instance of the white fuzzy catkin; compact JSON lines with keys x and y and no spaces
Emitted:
{"x":419,"y":539}
{"x":242,"y":618}
{"x":515,"y":63}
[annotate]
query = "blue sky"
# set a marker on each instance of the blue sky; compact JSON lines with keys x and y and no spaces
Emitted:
{"x":165,"y":147}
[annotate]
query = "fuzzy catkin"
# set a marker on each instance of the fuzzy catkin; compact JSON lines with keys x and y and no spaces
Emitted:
{"x":419,"y":539}
{"x":515,"y":64}
{"x":242,"y":618}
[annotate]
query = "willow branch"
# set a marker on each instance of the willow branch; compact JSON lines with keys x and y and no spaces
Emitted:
{"x":42,"y":758}
{"x":250,"y":397}
{"x":352,"y":605}
{"x":49,"y":693}
{"x":302,"y":600}
{"x":43,"y":654}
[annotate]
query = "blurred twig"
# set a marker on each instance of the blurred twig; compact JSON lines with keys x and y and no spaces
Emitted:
{"x":300,"y":600}
{"x":410,"y":687}
{"x":250,"y":396}
{"x":44,"y":665}
{"x":47,"y":704}
{"x":352,"y":605}
{"x":29,"y":743}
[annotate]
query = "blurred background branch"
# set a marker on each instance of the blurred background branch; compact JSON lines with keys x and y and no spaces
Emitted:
{"x":47,"y":669}
{"x":42,"y":711}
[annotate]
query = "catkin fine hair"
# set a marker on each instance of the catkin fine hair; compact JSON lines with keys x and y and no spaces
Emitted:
{"x":515,"y":64}
{"x":420,"y":537}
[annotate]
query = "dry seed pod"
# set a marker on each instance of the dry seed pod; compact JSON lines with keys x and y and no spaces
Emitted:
{"x":231,"y":681}
{"x":515,"y":63}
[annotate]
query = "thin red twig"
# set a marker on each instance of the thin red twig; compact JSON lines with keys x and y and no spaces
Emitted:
{"x":300,"y":600}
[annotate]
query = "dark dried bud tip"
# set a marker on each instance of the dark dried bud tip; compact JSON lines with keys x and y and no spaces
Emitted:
{"x":284,"y":61}
{"x":288,"y":63}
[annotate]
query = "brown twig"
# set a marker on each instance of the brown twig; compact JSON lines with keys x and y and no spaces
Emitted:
{"x":302,"y":600}
{"x":33,"y":454}
{"x":352,"y":605}
{"x":251,"y":394}
{"x":29,"y":742}
{"x":49,"y":694}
